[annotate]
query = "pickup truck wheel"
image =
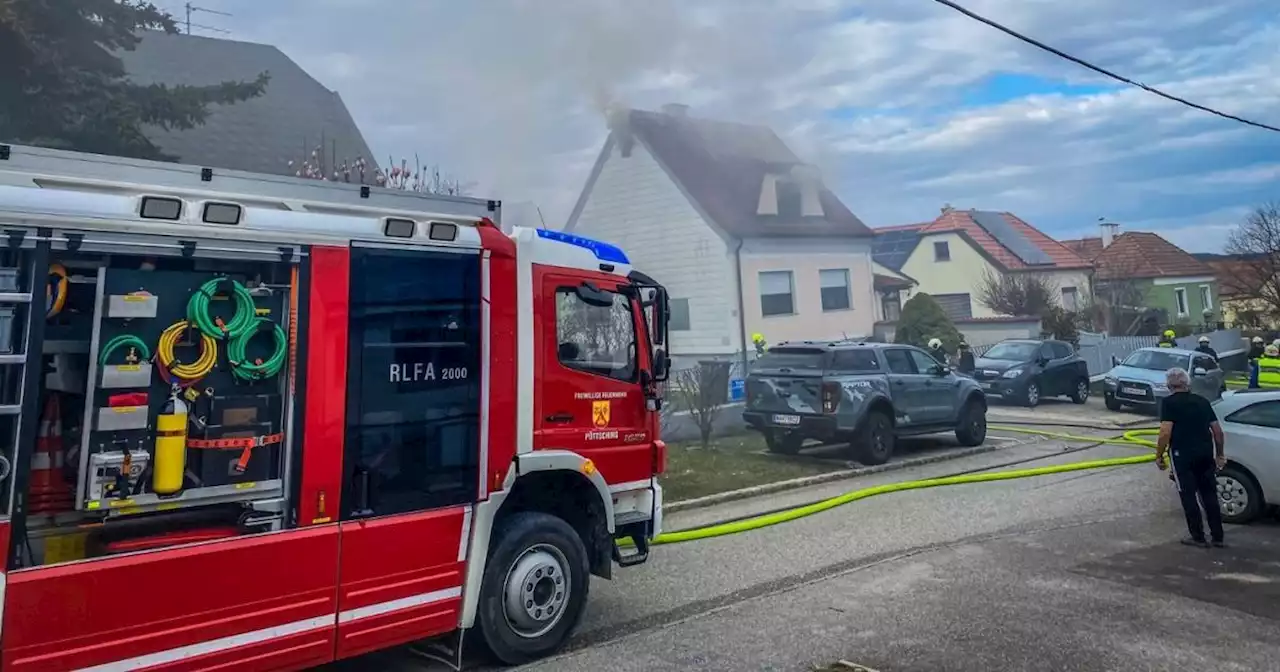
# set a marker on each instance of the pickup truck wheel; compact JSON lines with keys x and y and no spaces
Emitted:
{"x":1112,"y":403}
{"x":1031,"y":397}
{"x":971,"y":429}
{"x":1081,"y":393}
{"x":783,"y":443}
{"x":534,"y":587}
{"x":875,"y":439}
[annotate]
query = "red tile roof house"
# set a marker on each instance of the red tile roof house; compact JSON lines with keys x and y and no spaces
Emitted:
{"x":1155,"y":273}
{"x":745,"y":236}
{"x":951,"y":257}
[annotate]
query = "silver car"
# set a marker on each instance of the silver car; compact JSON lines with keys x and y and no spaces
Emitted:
{"x":1250,"y":484}
{"x":1138,"y":381}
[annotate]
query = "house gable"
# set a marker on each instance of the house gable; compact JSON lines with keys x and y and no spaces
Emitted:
{"x":632,"y":202}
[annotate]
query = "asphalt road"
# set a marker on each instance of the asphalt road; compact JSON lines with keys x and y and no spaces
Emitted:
{"x":1016,"y":575}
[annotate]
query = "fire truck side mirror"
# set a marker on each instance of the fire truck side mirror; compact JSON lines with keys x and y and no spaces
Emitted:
{"x":661,"y":314}
{"x":661,"y":365}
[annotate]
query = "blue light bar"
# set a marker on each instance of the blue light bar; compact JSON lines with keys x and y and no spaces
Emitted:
{"x":605,"y":252}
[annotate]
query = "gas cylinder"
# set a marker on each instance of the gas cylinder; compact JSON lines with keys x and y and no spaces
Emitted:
{"x":170,"y":463}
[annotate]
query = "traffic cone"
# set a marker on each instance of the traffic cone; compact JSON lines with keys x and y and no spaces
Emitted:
{"x":49,"y":491}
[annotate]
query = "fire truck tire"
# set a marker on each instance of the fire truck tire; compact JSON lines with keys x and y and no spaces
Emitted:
{"x":534,"y":587}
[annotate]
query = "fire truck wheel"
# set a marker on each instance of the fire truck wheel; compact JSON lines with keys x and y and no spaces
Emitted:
{"x":535,"y":586}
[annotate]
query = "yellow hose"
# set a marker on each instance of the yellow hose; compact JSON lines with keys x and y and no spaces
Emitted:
{"x":1132,"y":437}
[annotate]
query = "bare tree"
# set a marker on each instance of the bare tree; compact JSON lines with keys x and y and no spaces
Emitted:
{"x":1256,"y":246}
{"x":1017,"y":293}
{"x":703,"y":401}
{"x":1117,"y":302}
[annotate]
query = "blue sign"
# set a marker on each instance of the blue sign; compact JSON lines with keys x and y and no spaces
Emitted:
{"x":737,"y":389}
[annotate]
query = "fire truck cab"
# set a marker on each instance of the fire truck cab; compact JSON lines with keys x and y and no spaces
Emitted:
{"x":263,"y":423}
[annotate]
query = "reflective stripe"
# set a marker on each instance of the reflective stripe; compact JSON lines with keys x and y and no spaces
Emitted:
{"x":214,"y":646}
{"x":464,"y":541}
{"x":274,"y":632}
{"x":402,"y":603}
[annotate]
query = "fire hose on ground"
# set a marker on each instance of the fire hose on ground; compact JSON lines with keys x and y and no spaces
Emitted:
{"x":1130,"y":438}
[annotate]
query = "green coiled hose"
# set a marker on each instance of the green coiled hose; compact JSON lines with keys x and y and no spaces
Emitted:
{"x":247,"y":370}
{"x":121,"y":341}
{"x":198,"y":310}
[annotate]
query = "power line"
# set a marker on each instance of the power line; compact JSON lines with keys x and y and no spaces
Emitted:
{"x":1102,"y":71}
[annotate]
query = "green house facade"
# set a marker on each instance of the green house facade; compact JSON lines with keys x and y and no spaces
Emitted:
{"x":1156,"y":274}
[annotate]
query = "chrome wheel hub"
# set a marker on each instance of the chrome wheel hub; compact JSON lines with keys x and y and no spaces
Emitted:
{"x":536,"y":591}
{"x":1232,"y":496}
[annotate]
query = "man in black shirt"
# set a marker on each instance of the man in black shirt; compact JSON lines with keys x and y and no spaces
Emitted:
{"x":1189,"y":431}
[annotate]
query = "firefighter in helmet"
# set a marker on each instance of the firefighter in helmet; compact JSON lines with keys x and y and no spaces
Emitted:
{"x":757,"y":339}
{"x":936,"y":349}
{"x":964,"y":359}
{"x":1206,"y":348}
{"x":1256,"y":351}
{"x":1167,"y":339}
{"x":1269,"y":367}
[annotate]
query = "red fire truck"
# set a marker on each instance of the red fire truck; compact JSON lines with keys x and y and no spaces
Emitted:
{"x":263,"y":423}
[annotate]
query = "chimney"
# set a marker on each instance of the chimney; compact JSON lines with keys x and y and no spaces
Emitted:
{"x":618,"y":119}
{"x":768,"y":196}
{"x":676,"y":109}
{"x":810,"y":182}
{"x":946,"y":207}
{"x":1108,"y":233}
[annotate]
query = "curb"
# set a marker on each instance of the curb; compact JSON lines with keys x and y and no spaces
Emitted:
{"x":795,"y":483}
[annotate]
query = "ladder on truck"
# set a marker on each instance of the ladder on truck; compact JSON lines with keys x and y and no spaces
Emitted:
{"x":23,"y":166}
{"x":23,"y":269}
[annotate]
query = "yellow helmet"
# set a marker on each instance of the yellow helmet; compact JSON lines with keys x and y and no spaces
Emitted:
{"x":757,"y":337}
{"x":1168,"y":333}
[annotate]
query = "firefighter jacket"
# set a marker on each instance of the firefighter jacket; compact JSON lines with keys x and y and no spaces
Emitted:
{"x":1269,"y":371}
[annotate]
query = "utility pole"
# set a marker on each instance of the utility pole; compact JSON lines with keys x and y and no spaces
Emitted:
{"x":191,"y":9}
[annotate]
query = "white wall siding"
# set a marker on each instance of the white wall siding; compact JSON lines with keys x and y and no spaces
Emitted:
{"x":635,"y":205}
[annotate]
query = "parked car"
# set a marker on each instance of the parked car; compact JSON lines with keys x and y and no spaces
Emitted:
{"x":866,"y":394}
{"x":1138,"y":381}
{"x":1250,"y":484}
{"x":1026,"y":371}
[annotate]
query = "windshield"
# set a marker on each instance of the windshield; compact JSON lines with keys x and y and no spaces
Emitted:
{"x":791,"y":358}
{"x":1016,"y":352}
{"x":1155,"y":360}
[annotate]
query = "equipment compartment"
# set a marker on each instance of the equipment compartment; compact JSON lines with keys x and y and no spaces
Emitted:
{"x":185,"y":341}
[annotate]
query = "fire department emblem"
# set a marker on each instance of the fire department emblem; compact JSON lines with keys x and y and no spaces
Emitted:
{"x":600,"y":413}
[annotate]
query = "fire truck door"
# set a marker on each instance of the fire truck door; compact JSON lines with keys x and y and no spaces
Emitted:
{"x":411,"y":457}
{"x":588,"y":398}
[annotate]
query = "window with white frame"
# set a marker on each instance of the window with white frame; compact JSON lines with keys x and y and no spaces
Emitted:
{"x":834,"y":284}
{"x":941,"y":251}
{"x":1206,"y":297}
{"x":1180,"y":296}
{"x":679,"y":319}
{"x":777,"y":293}
{"x":1070,"y":299}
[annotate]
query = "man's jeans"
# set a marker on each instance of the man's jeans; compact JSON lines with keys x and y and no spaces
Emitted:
{"x":1199,"y":476}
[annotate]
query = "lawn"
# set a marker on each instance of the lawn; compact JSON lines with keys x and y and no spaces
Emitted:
{"x":730,"y":463}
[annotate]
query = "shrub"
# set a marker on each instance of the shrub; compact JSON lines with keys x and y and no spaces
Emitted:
{"x":922,"y":319}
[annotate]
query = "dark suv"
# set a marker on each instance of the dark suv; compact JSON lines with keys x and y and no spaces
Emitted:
{"x":1025,"y":371}
{"x":866,"y":394}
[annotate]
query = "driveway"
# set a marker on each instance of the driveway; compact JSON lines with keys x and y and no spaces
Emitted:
{"x":1000,"y":576}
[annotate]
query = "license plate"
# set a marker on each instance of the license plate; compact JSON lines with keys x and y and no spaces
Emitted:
{"x":786,"y":419}
{"x":1134,"y":390}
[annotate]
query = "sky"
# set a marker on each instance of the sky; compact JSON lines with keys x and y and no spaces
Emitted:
{"x":905,"y":105}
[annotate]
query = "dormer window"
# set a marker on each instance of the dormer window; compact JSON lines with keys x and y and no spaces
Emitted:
{"x":793,"y":195}
{"x":788,"y":199}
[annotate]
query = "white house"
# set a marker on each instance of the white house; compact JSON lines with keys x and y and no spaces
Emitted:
{"x":744,"y":235}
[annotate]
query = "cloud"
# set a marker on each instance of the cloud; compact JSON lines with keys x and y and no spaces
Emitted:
{"x":905,"y":105}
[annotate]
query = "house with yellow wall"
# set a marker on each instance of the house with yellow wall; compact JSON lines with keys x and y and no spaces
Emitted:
{"x":951,"y":257}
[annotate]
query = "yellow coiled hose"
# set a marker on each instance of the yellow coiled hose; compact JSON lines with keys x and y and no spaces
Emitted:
{"x":185,"y":374}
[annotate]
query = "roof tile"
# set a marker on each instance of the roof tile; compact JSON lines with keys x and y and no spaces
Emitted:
{"x":1142,"y":254}
{"x":722,"y":165}
{"x":962,"y":221}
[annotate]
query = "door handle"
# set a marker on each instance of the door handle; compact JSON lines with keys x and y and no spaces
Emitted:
{"x":560,"y":418}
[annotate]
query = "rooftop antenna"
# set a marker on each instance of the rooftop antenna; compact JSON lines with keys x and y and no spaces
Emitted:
{"x":192,"y":9}
{"x":540,"y":219}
